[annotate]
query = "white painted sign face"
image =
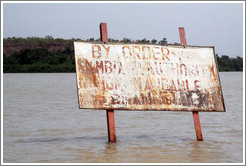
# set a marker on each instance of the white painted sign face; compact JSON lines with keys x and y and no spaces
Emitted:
{"x":147,"y":77}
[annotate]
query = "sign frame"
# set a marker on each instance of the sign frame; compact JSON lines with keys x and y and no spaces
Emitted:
{"x":156,"y":109}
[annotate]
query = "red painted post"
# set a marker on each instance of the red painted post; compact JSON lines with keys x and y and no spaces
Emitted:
{"x":109,"y":113}
{"x":104,"y":32}
{"x":111,"y":126}
{"x":195,"y":113}
{"x":182,"y":36}
{"x":197,"y":126}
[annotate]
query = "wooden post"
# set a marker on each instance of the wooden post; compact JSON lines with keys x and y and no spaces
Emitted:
{"x":195,"y":113}
{"x":109,"y":113}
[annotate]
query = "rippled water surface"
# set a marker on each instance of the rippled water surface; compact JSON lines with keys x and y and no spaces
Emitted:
{"x":42,"y":124}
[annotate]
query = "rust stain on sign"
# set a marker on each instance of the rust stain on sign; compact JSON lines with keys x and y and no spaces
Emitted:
{"x":147,"y":77}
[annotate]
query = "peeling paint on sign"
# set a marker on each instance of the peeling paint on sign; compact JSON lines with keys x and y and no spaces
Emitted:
{"x":147,"y":77}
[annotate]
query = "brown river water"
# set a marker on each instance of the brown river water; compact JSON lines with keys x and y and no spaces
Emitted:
{"x":42,"y":124}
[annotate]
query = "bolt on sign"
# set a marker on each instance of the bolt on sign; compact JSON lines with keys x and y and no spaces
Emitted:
{"x":147,"y":77}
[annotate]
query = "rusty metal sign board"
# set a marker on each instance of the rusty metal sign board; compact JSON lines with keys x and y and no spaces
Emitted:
{"x":147,"y":77}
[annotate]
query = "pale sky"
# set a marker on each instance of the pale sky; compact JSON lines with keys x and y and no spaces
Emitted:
{"x":206,"y":24}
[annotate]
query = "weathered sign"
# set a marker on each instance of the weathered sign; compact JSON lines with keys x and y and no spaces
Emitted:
{"x":147,"y":77}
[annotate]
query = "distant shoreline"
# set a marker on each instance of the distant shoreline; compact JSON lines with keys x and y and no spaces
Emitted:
{"x":49,"y":55}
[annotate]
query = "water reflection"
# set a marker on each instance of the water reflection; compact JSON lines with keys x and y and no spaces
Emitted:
{"x":110,"y":152}
{"x":196,"y":153}
{"x":205,"y":152}
{"x":110,"y":148}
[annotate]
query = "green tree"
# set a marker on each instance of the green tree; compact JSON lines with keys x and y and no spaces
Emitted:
{"x":126,"y":40}
{"x":48,"y":37}
{"x":153,"y":41}
{"x":163,"y":41}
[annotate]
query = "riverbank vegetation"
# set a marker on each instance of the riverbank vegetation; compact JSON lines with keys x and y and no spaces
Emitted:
{"x":49,"y":55}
